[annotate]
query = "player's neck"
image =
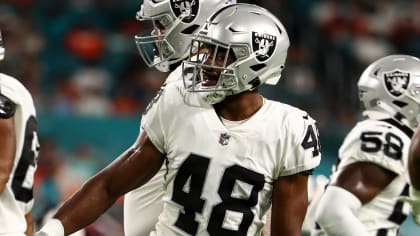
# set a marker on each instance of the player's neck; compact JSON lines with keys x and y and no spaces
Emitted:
{"x":239,"y":106}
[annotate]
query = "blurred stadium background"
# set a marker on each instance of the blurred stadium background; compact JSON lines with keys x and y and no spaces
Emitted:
{"x":79,"y":61}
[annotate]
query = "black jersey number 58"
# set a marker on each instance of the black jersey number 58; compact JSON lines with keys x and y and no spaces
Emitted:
{"x":194,"y":169}
{"x":392,"y":145}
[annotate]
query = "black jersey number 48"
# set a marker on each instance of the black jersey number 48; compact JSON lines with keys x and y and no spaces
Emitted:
{"x":194,"y":171}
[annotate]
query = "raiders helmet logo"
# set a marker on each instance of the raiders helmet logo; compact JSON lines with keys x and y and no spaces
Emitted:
{"x":186,"y":9}
{"x":263,"y":45}
{"x":396,"y":82}
{"x":224,"y":139}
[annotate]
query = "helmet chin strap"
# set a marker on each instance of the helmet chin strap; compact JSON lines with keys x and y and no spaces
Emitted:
{"x":213,"y":97}
{"x":162,"y":66}
{"x":168,"y":65}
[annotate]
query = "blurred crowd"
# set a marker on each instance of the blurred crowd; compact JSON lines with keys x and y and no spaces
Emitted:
{"x":78,"y":57}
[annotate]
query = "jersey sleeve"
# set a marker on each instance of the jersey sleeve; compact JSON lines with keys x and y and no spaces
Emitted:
{"x":161,"y":114}
{"x":301,"y":150}
{"x":376,"y":143}
{"x":152,"y":120}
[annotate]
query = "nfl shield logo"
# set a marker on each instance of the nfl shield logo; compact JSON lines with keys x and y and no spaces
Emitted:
{"x":187,"y":9}
{"x":263,"y":45}
{"x":396,"y":82}
{"x":224,"y":139}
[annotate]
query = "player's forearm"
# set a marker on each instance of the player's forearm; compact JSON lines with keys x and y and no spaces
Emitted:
{"x":80,"y":210}
{"x":101,"y":191}
{"x":93,"y":196}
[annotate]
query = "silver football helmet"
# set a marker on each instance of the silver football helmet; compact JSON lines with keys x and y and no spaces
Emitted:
{"x":172,"y":22}
{"x":2,"y":50}
{"x":258,"y":42}
{"x":390,"y":87}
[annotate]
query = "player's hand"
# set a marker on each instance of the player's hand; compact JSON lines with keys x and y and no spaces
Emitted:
{"x":414,"y":201}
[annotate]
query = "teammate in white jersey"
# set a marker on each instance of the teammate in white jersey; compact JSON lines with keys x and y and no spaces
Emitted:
{"x":230,"y":153}
{"x":163,"y":45}
{"x":369,"y":176}
{"x":18,"y":156}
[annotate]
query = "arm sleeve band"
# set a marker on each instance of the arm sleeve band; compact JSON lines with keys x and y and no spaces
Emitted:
{"x":53,"y":227}
{"x":336,"y":213}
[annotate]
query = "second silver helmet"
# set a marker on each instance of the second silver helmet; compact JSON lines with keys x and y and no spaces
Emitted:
{"x":176,"y":21}
{"x":390,"y":87}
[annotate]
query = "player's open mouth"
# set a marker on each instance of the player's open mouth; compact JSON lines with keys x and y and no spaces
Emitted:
{"x":209,"y":78}
{"x":156,"y":50}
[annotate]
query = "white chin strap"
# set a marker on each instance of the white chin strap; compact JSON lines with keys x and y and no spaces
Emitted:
{"x":213,"y":97}
{"x":163,"y":66}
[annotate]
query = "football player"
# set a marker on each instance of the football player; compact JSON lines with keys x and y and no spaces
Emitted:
{"x":230,"y":153}
{"x":163,"y":45}
{"x":18,"y":156}
{"x":414,"y":175}
{"x":369,"y":176}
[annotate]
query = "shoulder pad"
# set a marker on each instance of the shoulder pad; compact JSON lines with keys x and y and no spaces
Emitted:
{"x":7,"y":107}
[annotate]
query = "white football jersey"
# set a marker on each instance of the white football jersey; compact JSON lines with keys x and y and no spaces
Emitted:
{"x":219,"y":180}
{"x":17,"y":199}
{"x":384,"y":143}
{"x":146,"y":202}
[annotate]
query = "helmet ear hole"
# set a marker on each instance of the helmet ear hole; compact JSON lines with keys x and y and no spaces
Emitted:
{"x":400,"y":104}
{"x":258,"y":67}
